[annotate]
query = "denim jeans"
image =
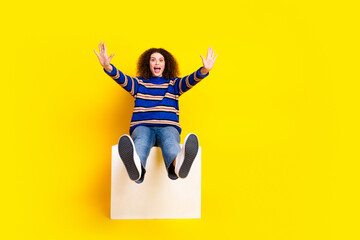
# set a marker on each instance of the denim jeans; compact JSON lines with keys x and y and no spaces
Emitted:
{"x":167,"y":138}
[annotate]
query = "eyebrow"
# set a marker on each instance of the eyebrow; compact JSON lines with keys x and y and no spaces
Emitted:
{"x":155,"y":58}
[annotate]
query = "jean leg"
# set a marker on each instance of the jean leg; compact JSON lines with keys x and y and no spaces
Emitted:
{"x":168,"y":139}
{"x":144,"y":140}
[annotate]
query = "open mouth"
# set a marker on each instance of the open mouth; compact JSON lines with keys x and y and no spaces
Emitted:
{"x":157,"y":70}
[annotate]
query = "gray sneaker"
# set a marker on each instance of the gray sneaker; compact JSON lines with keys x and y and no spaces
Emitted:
{"x":186,"y":156}
{"x":129,"y":157}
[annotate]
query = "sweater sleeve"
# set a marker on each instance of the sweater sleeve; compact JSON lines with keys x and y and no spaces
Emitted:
{"x":128,"y":83}
{"x":186,"y":83}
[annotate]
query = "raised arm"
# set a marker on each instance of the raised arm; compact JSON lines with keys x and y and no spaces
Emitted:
{"x":103,"y":57}
{"x":208,"y":62}
{"x":128,"y":83}
{"x":187,"y":82}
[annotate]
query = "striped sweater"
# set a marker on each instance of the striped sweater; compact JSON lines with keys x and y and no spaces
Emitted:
{"x":156,"y":99}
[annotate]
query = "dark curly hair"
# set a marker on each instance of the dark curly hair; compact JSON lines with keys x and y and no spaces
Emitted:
{"x":171,"y":66}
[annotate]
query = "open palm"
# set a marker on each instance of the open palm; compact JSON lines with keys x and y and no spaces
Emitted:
{"x":210,"y":59}
{"x":103,"y":57}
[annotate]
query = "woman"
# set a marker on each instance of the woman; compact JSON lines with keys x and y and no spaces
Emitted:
{"x":155,"y":120}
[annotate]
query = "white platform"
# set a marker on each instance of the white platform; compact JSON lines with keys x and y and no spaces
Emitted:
{"x":158,"y":197}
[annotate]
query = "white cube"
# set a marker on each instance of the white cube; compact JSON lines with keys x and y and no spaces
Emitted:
{"x":157,"y":197}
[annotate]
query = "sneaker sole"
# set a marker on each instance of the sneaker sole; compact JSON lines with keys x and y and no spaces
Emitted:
{"x":126,"y":152}
{"x":191,"y":149}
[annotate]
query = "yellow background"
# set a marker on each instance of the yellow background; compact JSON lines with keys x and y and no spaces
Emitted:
{"x":270,"y":117}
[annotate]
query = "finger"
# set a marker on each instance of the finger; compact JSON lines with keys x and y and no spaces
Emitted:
{"x":203,"y":59}
{"x":212,"y":53}
{"x":111,"y":56}
{"x":100,"y":48}
{"x":105,"y":49}
{"x":96,"y":53}
{"x":215,"y":57}
{"x":209,"y":52}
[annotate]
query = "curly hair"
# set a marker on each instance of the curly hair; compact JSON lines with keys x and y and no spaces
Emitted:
{"x":171,"y":66}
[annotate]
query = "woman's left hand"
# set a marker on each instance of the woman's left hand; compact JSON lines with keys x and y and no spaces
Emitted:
{"x":210,"y":60}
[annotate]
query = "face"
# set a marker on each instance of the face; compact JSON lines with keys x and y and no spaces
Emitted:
{"x":157,"y":64}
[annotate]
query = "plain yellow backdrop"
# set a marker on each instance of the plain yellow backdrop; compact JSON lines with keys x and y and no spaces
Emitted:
{"x":269,"y":116}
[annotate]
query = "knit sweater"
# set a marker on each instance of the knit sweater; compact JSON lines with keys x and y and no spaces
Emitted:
{"x":156,"y":99}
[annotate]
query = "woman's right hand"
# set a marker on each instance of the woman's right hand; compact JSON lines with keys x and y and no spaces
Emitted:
{"x":103,"y":57}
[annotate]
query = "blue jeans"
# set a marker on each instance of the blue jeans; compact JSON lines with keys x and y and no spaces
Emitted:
{"x":167,"y":138}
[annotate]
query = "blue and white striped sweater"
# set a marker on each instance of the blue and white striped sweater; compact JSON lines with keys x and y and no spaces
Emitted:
{"x":156,"y":99}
